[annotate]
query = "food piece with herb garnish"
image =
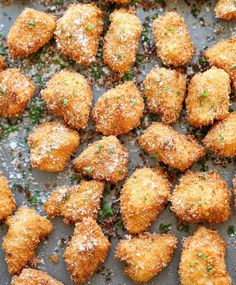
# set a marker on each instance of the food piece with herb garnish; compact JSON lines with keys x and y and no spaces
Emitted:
{"x":106,"y":159}
{"x":143,"y":196}
{"x":51,"y":145}
{"x":78,"y":32}
{"x":31,"y":30}
{"x":226,"y":9}
{"x":2,"y":63}
{"x":26,"y":229}
{"x":146,"y":256}
{"x":203,"y":259}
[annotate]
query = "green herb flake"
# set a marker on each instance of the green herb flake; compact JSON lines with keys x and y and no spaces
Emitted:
{"x":32,"y":24}
{"x":36,"y":112}
{"x":165,"y":228}
{"x":166,"y":88}
{"x":233,"y":66}
{"x":88,"y":170}
{"x":66,"y":196}
{"x":209,"y":268}
{"x":195,"y":11}
{"x":65,"y":102}
{"x":170,"y":30}
{"x":134,"y":101}
{"x":205,"y":94}
{"x":231,"y":231}
{"x":89,"y":28}
{"x":222,"y":139}
{"x":105,"y":212}
{"x":183,"y":228}
{"x":99,"y":148}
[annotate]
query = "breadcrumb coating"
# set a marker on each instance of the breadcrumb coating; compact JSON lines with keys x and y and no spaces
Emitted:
{"x":2,"y":63}
{"x":226,"y":10}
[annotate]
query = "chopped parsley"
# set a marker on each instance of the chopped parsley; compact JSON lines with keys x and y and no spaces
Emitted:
{"x":104,"y":212}
{"x":133,"y":101}
{"x":89,"y":28}
{"x":222,"y":139}
{"x":88,"y":170}
{"x":165,"y":228}
{"x":183,"y":228}
{"x":195,"y":11}
{"x":231,"y":231}
{"x":209,"y":268}
{"x":205,"y":94}
{"x":32,"y":24}
{"x":127,"y":76}
{"x":65,"y":101}
{"x":233,"y":66}
{"x":36,"y":112}
{"x":99,"y":148}
{"x":35,"y":200}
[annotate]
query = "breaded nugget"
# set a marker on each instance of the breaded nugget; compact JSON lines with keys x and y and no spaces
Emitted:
{"x":51,"y":145}
{"x":31,"y":30}
{"x":221,"y":139}
{"x":69,"y":96}
{"x":166,"y":145}
{"x":121,"y":40}
{"x":86,"y":251}
{"x":119,"y":110}
{"x":106,"y":159}
{"x":208,"y":97}
{"x":15,"y":92}
{"x":202,"y":259}
{"x":165,"y":92}
{"x":143,"y":196}
{"x":147,"y":255}
{"x":74,"y":203}
{"x":26,"y":229}
{"x":172,"y":39}
{"x":2,"y":63}
{"x":78,"y":32}
{"x":226,"y":9}
{"x":201,"y":197}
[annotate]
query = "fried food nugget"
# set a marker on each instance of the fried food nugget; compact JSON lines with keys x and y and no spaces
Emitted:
{"x":201,"y":197}
{"x":51,"y":145}
{"x":208,"y":97}
{"x":31,"y":30}
{"x":121,"y":41}
{"x":172,"y":39}
{"x":147,"y":255}
{"x":15,"y":92}
{"x":226,"y":9}
{"x":165,"y":92}
{"x":86,"y":251}
{"x":78,"y":32}
{"x":174,"y":149}
{"x":119,"y":110}
{"x":26,"y":229}
{"x":106,"y":159}
{"x":202,"y":259}
{"x":221,"y":139}
{"x":2,"y":63}
{"x":143,"y":196}
{"x":74,"y":203}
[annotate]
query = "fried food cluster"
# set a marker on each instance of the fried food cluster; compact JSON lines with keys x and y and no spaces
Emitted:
{"x":165,"y":92}
{"x":26,"y":229}
{"x":2,"y":63}
{"x":202,"y":259}
{"x":143,"y":196}
{"x":121,"y":41}
{"x":106,"y":159}
{"x":146,"y":255}
{"x":172,"y":39}
{"x":226,"y":9}
{"x":119,"y":110}
{"x":15,"y":92}
{"x":78,"y":32}
{"x":31,"y":30}
{"x":51,"y":145}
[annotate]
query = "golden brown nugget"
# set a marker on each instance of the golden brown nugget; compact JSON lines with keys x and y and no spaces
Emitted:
{"x":26,"y":230}
{"x":2,"y":63}
{"x":15,"y":92}
{"x":221,"y":139}
{"x":121,"y":40}
{"x":51,"y":145}
{"x":69,"y":96}
{"x":31,"y":30}
{"x":143,"y":196}
{"x":86,"y":251}
{"x":119,"y":110}
{"x":174,"y":149}
{"x":208,"y":97}
{"x":203,"y":259}
{"x":147,"y":255}
{"x":172,"y":39}
{"x":201,"y":197}
{"x":165,"y":92}
{"x":74,"y":203}
{"x":106,"y":159}
{"x":78,"y":32}
{"x":226,"y":9}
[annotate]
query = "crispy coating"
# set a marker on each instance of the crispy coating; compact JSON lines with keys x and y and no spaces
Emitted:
{"x":147,"y":255}
{"x":2,"y":63}
{"x":74,"y":203}
{"x":165,"y":92}
{"x":78,"y":32}
{"x":208,"y":97}
{"x":86,"y":251}
{"x":69,"y":96}
{"x":143,"y":196}
{"x":221,"y":139}
{"x":121,"y":40}
{"x":26,"y":229}
{"x":15,"y":92}
{"x":172,"y":39}
{"x":31,"y":30}
{"x":166,"y":145}
{"x":119,"y":110}
{"x":226,"y":9}
{"x":201,"y":197}
{"x":106,"y":159}
{"x":202,"y":259}
{"x":51,"y":145}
